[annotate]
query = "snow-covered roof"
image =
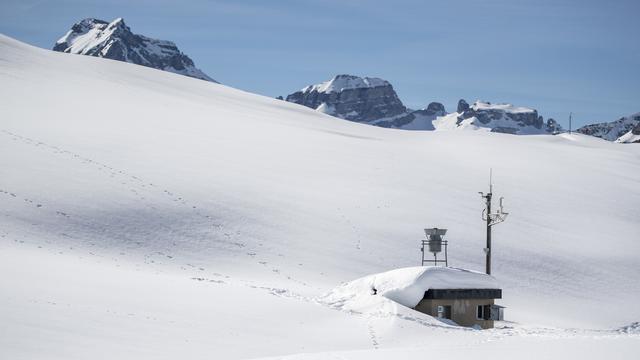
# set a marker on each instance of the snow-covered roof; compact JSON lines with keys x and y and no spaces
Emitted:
{"x":345,"y":82}
{"x":407,"y":286}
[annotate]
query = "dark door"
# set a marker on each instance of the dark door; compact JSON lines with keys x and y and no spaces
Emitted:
{"x":487,"y":312}
{"x":447,"y":312}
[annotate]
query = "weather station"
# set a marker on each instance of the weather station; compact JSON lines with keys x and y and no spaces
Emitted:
{"x":434,"y":243}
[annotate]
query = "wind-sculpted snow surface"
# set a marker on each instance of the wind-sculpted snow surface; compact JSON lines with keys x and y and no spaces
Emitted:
{"x":193,"y":220}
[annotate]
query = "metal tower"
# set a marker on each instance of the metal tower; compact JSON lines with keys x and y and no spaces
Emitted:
{"x":491,"y":219}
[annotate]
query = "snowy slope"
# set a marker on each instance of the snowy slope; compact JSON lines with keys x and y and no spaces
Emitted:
{"x":195,"y":220}
{"x":633,"y":136}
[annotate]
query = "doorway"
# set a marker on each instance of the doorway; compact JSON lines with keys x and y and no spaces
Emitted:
{"x":444,"y":311}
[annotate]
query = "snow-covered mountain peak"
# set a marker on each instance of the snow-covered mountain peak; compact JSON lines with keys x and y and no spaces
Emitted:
{"x":115,"y":41}
{"x":361,"y":99}
{"x":83,"y":26}
{"x":346,"y":82}
{"x":87,"y":34}
{"x":506,"y":107}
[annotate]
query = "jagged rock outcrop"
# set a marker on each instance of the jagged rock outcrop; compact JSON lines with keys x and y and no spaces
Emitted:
{"x":373,"y":101}
{"x":503,"y":118}
{"x":416,"y":120}
{"x":462,"y":106}
{"x":352,"y":98}
{"x":115,"y":41}
{"x":553,"y":127}
{"x":614,"y":130}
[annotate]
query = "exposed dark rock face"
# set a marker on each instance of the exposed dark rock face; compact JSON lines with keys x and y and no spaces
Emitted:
{"x":462,"y":106}
{"x":636,"y":131}
{"x":553,"y":127}
{"x":506,"y":118}
{"x":424,"y":116}
{"x":435,"y":108}
{"x":115,"y":41}
{"x":373,"y":101}
{"x":486,"y":116}
{"x":352,"y":98}
{"x":612,"y":130}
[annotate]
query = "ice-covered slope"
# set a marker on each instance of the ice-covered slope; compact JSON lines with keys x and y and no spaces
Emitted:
{"x":115,"y":41}
{"x":195,"y":220}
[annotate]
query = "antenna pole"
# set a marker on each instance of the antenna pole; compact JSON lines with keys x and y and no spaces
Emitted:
{"x":491,"y":219}
{"x":570,"y":116}
{"x":488,"y":248}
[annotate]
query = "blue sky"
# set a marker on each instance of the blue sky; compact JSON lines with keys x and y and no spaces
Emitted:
{"x":557,"y":56}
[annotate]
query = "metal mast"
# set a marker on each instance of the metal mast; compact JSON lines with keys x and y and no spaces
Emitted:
{"x":570,"y":116}
{"x":491,"y":219}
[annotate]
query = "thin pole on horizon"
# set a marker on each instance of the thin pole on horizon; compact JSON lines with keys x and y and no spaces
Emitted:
{"x":570,"y":118}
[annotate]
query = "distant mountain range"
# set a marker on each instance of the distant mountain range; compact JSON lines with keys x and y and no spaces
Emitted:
{"x":115,"y":41}
{"x":374,"y":101}
{"x":624,"y":130}
{"x":361,"y":99}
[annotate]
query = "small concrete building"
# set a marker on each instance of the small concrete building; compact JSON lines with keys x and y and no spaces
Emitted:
{"x":464,"y":297}
{"x":465,"y":307}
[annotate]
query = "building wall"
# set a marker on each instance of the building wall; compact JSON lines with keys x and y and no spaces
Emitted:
{"x":463,"y":311}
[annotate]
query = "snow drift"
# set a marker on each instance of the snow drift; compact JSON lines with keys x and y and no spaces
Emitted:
{"x":405,"y":286}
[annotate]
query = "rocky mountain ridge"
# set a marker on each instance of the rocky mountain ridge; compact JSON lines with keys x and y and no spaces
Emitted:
{"x":362,"y":99}
{"x":352,"y":98}
{"x":115,"y":41}
{"x":504,"y":118}
{"x":621,"y":130}
{"x":374,"y":101}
